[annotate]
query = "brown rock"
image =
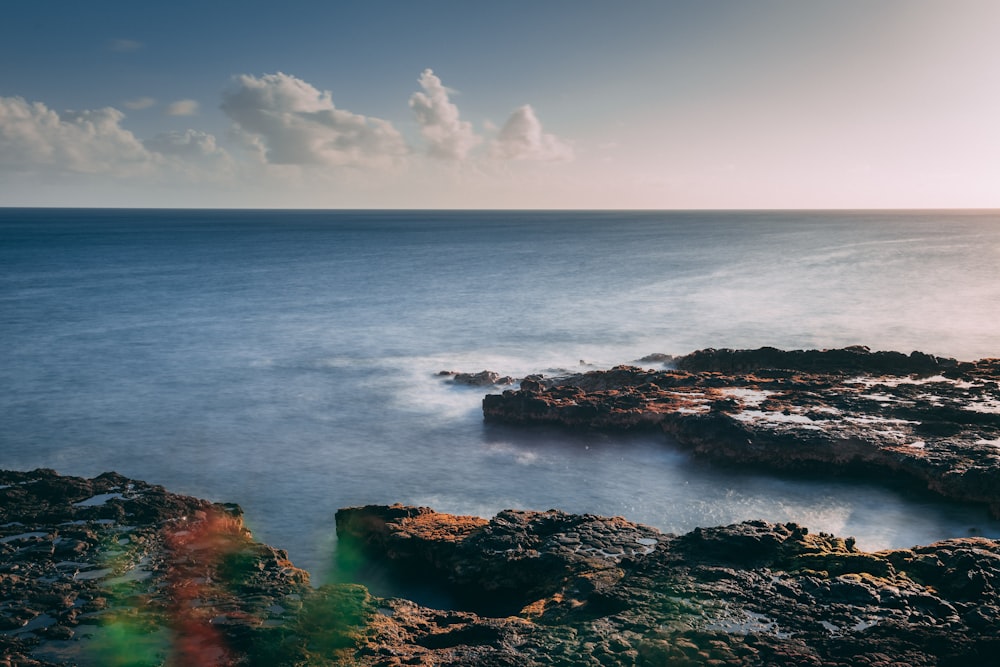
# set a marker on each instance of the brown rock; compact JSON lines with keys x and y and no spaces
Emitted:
{"x":919,"y":417}
{"x":749,"y":594}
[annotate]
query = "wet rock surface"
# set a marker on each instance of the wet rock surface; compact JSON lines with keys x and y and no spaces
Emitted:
{"x":484,"y":378}
{"x":924,"y":418}
{"x":590,"y":590}
{"x":113,"y":571}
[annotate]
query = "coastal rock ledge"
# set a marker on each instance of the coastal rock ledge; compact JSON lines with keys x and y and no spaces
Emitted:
{"x":113,"y":571}
{"x":927,"y":419}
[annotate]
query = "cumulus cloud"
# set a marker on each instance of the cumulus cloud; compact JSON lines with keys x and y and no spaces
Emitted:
{"x":37,"y":140}
{"x":190,"y":144}
{"x":522,"y":138}
{"x":447,"y":137}
{"x":140,"y":103}
{"x":33,"y":136}
{"x":182,"y":108}
{"x":191,"y":155}
{"x":294,"y":123}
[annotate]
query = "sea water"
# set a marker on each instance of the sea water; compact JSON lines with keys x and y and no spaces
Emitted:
{"x":288,"y":360}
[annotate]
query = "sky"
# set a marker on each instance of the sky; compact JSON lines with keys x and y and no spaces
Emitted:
{"x":701,"y":104}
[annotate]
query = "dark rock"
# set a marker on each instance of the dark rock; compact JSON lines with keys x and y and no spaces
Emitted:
{"x":482,"y":379}
{"x":854,"y":359}
{"x":533,"y":383}
{"x":919,"y":417}
{"x":657,"y":358}
{"x":83,"y":555}
{"x":605,"y":591}
{"x":189,"y":586}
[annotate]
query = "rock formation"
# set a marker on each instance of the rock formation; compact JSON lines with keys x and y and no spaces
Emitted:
{"x":923,"y":418}
{"x":481,"y":379}
{"x":112,"y":571}
{"x":548,"y":588}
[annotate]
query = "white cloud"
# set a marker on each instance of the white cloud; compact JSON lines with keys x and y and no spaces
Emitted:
{"x":190,"y":143}
{"x":522,"y":138}
{"x":140,"y":103}
{"x":294,"y":123}
{"x":291,"y":126}
{"x":182,"y":108}
{"x":38,"y":141}
{"x":447,"y":137}
{"x":32,"y":136}
{"x":192,"y":156}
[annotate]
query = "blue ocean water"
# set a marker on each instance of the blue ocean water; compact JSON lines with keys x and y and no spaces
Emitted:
{"x":287,"y":360}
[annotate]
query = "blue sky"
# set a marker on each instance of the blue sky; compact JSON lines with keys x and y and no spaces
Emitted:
{"x":707,"y":104}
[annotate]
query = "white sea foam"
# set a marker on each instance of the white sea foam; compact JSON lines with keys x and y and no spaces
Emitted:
{"x":515,"y":453}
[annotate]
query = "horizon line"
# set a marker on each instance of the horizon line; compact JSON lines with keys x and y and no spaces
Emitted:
{"x":513,"y":210}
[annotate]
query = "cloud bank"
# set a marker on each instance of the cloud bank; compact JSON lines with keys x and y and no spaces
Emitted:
{"x":32,"y":136}
{"x":338,"y":155}
{"x":37,"y":140}
{"x":294,"y":123}
{"x":287,"y":120}
{"x":188,"y":144}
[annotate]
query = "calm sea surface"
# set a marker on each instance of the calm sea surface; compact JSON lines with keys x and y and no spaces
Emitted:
{"x":286,"y":360}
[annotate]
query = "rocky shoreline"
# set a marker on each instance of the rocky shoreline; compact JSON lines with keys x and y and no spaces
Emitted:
{"x":549,"y":588}
{"x":930,"y":420}
{"x":113,"y":571}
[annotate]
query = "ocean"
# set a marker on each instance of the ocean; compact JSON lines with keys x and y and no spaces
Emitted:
{"x":288,"y":360}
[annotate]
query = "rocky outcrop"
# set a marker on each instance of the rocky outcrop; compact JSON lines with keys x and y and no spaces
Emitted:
{"x":480,"y":379}
{"x":549,"y":588}
{"x":855,"y":359}
{"x":916,"y":416}
{"x":113,"y":571}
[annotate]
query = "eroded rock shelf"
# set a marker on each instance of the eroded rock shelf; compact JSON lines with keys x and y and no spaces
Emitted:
{"x":933,"y":420}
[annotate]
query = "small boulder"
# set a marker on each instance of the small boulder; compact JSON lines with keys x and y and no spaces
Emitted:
{"x":482,"y":379}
